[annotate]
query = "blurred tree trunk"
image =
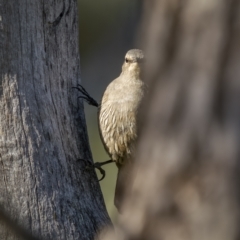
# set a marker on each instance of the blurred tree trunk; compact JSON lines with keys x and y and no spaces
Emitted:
{"x":187,"y":179}
{"x":42,"y":129}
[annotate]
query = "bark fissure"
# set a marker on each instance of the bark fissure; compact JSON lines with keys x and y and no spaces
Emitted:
{"x":4,"y":177}
{"x":59,"y":18}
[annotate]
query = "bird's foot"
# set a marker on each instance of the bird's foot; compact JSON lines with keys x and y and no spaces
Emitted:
{"x":98,"y":165}
{"x":86,"y":96}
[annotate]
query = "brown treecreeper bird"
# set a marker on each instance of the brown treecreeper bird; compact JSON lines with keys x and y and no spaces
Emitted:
{"x":118,"y":118}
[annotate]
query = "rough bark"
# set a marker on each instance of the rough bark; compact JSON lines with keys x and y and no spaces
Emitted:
{"x":187,"y":168}
{"x":42,"y":127}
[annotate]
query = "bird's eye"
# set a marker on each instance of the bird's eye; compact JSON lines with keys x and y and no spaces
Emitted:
{"x":126,"y":60}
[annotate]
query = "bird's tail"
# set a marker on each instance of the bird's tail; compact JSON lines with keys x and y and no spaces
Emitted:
{"x":122,"y":185}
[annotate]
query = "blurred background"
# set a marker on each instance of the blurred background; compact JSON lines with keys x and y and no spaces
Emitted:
{"x":108,"y":29}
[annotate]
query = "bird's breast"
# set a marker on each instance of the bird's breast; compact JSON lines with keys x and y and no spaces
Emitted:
{"x":117,"y":123}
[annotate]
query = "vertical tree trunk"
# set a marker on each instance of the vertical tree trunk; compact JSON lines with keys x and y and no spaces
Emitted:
{"x":187,"y":180}
{"x":42,"y":128}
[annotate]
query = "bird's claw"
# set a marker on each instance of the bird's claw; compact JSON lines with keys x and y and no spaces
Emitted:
{"x":101,"y":170}
{"x":86,"y":96}
{"x":96,"y":165}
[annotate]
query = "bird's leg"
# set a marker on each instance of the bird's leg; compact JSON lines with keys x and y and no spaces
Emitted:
{"x":98,"y":165}
{"x":86,"y":96}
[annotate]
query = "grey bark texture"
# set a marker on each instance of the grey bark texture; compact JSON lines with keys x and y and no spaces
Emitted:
{"x":186,"y":184}
{"x":42,"y":127}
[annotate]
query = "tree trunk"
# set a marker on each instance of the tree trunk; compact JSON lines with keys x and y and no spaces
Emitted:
{"x":43,"y":186}
{"x":187,"y":180}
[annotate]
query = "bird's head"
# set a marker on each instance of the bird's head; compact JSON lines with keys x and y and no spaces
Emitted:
{"x":133,"y":63}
